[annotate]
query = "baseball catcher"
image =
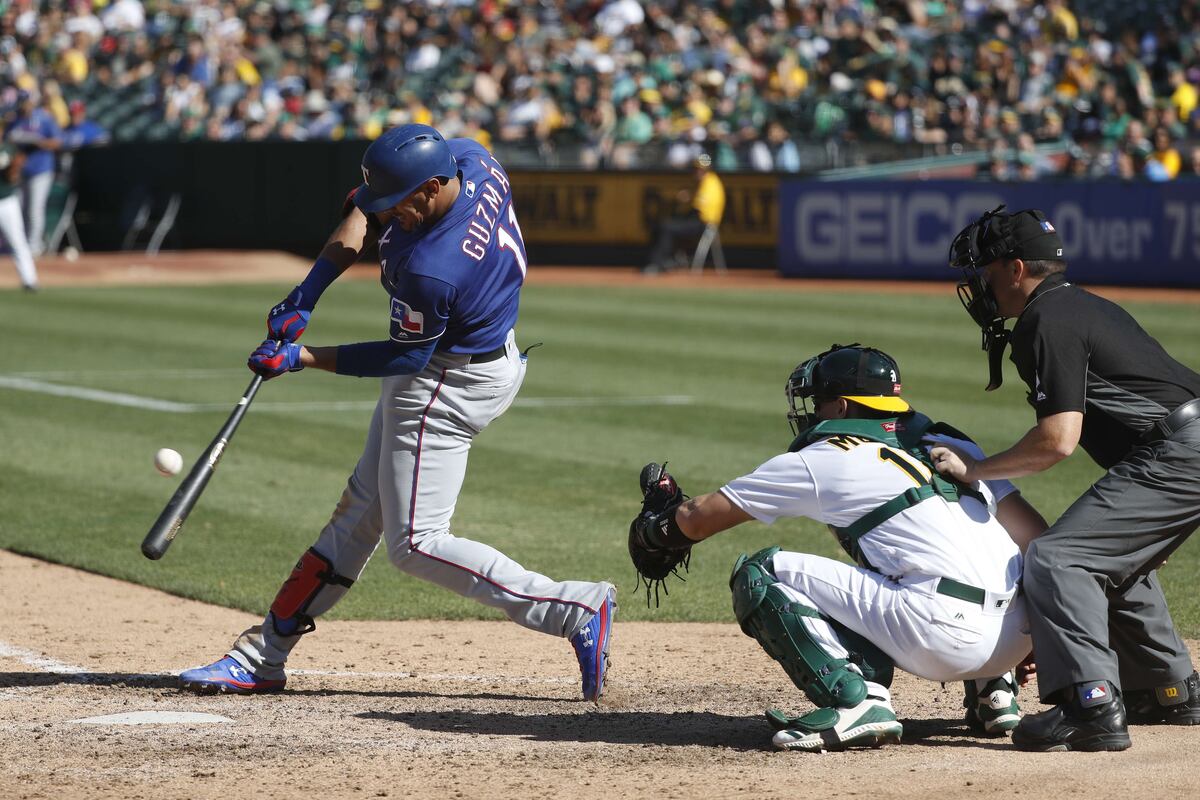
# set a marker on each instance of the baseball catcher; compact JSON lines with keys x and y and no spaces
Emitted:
{"x":935,"y":588}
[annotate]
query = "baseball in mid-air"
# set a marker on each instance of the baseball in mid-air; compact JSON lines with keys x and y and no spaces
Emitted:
{"x":168,"y":462}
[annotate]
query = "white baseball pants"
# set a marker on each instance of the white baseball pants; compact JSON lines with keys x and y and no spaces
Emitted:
{"x":35,"y":194}
{"x":12,"y":228}
{"x":927,"y":634}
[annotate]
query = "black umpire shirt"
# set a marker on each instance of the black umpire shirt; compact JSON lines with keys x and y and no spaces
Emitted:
{"x":1080,"y":352}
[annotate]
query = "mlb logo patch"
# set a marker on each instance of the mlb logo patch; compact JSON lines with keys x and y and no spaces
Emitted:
{"x":1047,"y":227}
{"x":890,"y":427}
{"x":895,"y":388}
{"x":469,"y":188}
{"x":409,"y":321}
{"x":1093,"y":695}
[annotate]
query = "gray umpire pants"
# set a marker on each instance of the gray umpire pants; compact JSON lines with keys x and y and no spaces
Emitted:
{"x":1096,"y":608}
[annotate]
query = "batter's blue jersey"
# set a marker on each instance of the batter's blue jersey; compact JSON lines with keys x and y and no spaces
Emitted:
{"x":458,"y":281}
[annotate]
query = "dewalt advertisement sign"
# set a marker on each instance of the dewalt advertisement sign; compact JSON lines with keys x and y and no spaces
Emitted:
{"x":621,"y":208}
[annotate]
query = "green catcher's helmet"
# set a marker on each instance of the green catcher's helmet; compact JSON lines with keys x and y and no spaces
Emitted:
{"x":863,"y":375}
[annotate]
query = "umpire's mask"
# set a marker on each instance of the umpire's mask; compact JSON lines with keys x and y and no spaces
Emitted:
{"x":1026,"y":235}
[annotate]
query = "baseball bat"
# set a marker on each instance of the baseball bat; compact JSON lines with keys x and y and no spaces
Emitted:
{"x":167,"y":526}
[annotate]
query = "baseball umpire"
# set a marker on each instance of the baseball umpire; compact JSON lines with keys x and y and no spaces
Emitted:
{"x":453,"y":262}
{"x":935,"y":591}
{"x":1106,"y":650}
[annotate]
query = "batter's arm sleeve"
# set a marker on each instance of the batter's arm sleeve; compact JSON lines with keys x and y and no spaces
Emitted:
{"x":383,"y":359}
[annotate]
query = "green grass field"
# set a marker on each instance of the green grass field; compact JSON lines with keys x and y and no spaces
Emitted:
{"x":551,"y":484}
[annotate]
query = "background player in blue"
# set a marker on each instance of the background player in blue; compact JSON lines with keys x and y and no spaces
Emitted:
{"x":38,"y":136}
{"x":453,"y":261}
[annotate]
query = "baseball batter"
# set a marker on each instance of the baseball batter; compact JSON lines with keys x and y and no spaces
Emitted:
{"x":453,"y":261}
{"x":935,"y":591}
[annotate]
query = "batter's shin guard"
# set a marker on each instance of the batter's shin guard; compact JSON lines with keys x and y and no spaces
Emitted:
{"x":312,"y":589}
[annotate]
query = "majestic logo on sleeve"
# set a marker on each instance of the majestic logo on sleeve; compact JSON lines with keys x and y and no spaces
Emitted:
{"x":409,"y":321}
{"x":1038,"y":394}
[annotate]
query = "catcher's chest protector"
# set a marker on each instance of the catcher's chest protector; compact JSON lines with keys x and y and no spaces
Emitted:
{"x":903,"y":433}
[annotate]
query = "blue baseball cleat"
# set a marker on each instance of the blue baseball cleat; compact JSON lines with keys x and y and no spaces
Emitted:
{"x":591,"y":648}
{"x":227,"y":676}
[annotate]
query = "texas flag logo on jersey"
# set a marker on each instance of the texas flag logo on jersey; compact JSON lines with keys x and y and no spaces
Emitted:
{"x":409,"y":321}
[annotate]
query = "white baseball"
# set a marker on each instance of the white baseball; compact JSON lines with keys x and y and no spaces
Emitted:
{"x":168,"y":462}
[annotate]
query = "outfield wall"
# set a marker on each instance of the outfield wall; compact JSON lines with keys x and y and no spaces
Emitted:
{"x":286,"y":196}
{"x":1113,"y":233}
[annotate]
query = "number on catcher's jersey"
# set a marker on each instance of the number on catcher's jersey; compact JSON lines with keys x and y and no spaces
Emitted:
{"x":919,"y":473}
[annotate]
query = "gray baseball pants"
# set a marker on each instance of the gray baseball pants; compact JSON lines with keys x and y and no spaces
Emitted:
{"x":404,"y":490}
{"x":1096,"y":608}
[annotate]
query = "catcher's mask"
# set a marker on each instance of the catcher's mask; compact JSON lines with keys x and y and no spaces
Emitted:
{"x":864,"y":375}
{"x":1025,"y":234}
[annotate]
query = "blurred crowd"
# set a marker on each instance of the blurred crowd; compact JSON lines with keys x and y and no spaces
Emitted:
{"x":757,"y":84}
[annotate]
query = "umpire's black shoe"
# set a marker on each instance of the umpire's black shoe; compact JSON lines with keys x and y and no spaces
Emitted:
{"x":1092,"y":720}
{"x":1177,"y":704}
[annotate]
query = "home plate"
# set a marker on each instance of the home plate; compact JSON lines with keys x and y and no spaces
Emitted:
{"x":154,"y":718}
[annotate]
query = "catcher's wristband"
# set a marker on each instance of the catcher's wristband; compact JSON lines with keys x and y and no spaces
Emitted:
{"x":663,"y":532}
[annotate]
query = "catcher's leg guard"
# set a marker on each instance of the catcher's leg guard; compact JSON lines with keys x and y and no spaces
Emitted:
{"x":767,"y":614}
{"x":311,"y":590}
{"x":876,"y":666}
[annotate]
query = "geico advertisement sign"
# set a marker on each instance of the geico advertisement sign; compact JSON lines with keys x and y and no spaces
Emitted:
{"x":1111,"y":232}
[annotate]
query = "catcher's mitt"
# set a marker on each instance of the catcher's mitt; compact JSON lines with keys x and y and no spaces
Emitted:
{"x":653,"y":558}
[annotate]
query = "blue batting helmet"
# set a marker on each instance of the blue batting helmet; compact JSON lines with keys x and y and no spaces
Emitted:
{"x":398,"y":162}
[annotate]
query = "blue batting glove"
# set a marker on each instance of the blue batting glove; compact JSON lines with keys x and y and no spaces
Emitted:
{"x":272,"y":359}
{"x":287,"y":320}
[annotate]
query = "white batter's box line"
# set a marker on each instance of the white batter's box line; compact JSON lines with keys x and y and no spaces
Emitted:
{"x":21,"y":383}
{"x":435,"y":676}
{"x":37,"y":661}
{"x":75,"y":374}
{"x":41,"y":663}
{"x":95,"y":395}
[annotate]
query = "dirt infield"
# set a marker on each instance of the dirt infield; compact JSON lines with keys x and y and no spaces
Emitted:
{"x":222,"y":266}
{"x":461,"y":709}
{"x":467,"y":709}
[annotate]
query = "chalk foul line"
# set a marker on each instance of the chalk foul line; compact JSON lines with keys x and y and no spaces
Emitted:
{"x":39,"y":662}
{"x":124,"y":399}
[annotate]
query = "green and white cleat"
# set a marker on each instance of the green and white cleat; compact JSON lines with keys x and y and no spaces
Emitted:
{"x":871,"y":723}
{"x":992,"y":708}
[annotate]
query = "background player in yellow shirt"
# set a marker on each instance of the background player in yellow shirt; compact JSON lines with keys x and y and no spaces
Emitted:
{"x":707,"y":208}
